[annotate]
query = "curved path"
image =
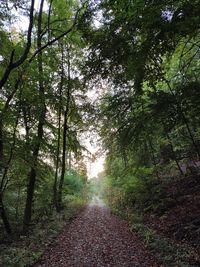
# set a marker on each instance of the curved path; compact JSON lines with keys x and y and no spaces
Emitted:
{"x":96,"y":238}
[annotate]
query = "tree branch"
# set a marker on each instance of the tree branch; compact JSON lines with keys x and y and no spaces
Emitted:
{"x":56,"y":38}
{"x":13,"y":65}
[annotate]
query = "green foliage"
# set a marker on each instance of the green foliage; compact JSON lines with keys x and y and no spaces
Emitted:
{"x":165,"y":250}
{"x":75,"y":183}
{"x":19,"y":257}
{"x":140,"y":190}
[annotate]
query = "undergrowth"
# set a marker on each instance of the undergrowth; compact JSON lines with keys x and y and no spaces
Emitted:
{"x":21,"y":250}
{"x":165,"y":250}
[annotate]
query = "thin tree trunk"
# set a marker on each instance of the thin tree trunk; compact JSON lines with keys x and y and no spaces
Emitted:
{"x":70,"y":160}
{"x":1,"y":145}
{"x":4,"y":180}
{"x":174,"y":156}
{"x":32,"y":173}
{"x":55,"y":204}
{"x":179,"y":167}
{"x":55,"y":200}
{"x":4,"y":217}
{"x":124,"y":157}
{"x":153,"y":157}
{"x":18,"y":202}
{"x":63,"y":161}
{"x":65,"y":128}
{"x":29,"y":198}
{"x":2,"y":114}
{"x":49,"y":19}
{"x":191,"y":135}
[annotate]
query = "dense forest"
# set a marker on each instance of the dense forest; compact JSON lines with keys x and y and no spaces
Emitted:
{"x":127,"y":71}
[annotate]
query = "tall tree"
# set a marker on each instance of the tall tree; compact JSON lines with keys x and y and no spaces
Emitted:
{"x":42,"y":113}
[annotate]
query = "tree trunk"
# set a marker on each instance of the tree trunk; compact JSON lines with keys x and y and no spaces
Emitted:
{"x":153,"y":157}
{"x":4,"y":171}
{"x":191,"y":135}
{"x":55,"y":199}
{"x":63,"y":161}
{"x":32,"y":173}
{"x":4,"y":217}
{"x":174,"y":155}
{"x":65,"y":128}
{"x":70,"y":160}
{"x":1,"y":144}
{"x":29,"y":198}
{"x":18,"y":203}
{"x":2,"y":114}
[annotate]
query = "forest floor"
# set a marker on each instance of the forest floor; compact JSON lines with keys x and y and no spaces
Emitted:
{"x":97,"y":238}
{"x":179,"y":217}
{"x":20,"y":250}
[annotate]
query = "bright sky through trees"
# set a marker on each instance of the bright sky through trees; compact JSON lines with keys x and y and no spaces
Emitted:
{"x":97,"y":166}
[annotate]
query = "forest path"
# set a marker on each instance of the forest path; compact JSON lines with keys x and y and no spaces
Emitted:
{"x":96,"y":238}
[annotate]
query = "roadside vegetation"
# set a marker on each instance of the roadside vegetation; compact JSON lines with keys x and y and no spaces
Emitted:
{"x":148,"y":119}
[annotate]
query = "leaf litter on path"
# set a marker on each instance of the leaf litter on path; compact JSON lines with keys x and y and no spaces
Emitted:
{"x":97,"y":238}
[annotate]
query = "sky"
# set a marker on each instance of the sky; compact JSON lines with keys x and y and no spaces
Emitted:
{"x":95,"y":146}
{"x":93,"y":168}
{"x":97,"y":166}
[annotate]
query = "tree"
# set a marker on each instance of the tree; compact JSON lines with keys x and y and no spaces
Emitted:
{"x":29,"y":102}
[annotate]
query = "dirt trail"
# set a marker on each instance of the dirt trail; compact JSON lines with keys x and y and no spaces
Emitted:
{"x":96,"y":238}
